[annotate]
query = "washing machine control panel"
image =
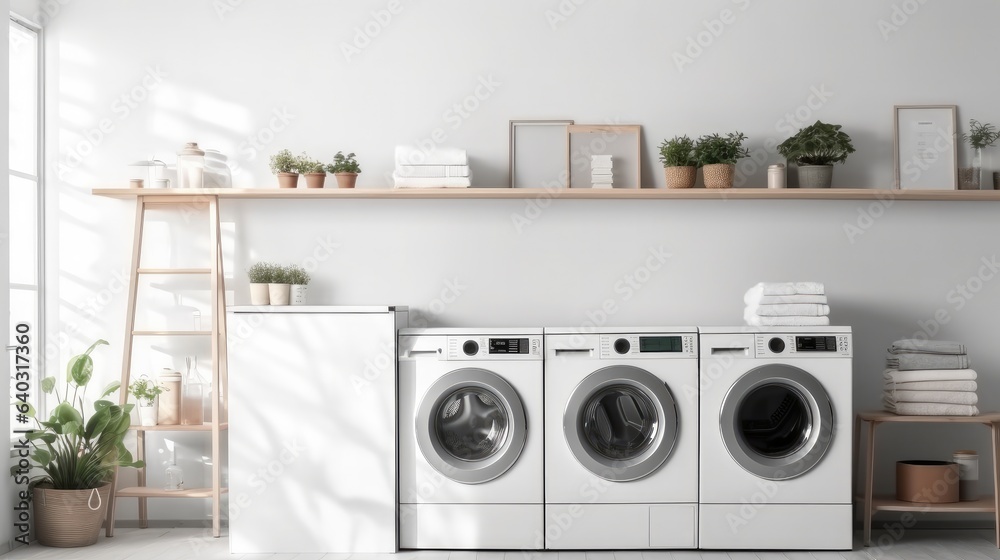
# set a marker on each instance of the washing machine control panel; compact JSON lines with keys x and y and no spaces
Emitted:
{"x":652,"y":346}
{"x":494,"y":347}
{"x":804,"y":345}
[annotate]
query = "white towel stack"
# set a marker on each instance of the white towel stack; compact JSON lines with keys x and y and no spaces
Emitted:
{"x":782,"y":304}
{"x":929,"y":378}
{"x":443,"y":167}
{"x":602,"y":174}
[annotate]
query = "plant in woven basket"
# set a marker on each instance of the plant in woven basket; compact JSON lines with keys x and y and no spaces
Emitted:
{"x":817,"y":144}
{"x":714,"y":149}
{"x":678,"y":152}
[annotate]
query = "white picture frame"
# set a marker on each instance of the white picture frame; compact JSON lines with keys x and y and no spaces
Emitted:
{"x":925,"y":147}
{"x":537,"y":153}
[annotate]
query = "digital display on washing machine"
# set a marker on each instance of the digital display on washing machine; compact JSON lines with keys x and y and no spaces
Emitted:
{"x":508,"y":346}
{"x":661,"y":344}
{"x":815,"y":344}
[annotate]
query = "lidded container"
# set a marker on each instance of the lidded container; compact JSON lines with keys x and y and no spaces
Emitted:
{"x":169,"y":412}
{"x":191,"y":167}
{"x":776,"y":177}
{"x":968,"y":475}
{"x":218,"y":175}
{"x":150,"y":171}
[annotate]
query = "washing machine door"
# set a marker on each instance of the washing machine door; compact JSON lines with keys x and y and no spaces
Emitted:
{"x":470,"y":425}
{"x":777,"y":421}
{"x":621,"y":423}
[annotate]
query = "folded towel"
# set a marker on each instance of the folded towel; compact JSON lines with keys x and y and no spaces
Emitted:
{"x":933,"y":386}
{"x":797,"y":298}
{"x":430,"y":182}
{"x":784,"y":289}
{"x":908,"y":362}
{"x":940,"y":397}
{"x":436,"y":171}
{"x":793,"y":321}
{"x":410,"y":155}
{"x":929,"y":375}
{"x":932,"y":409}
{"x":789,"y":309}
{"x":917,"y":346}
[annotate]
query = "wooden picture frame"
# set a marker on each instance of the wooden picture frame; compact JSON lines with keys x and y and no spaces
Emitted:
{"x":545,"y":141}
{"x":615,"y":140}
{"x":925,"y":147}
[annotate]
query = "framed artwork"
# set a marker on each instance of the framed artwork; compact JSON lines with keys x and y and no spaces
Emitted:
{"x":925,"y":147}
{"x":620,"y":142}
{"x":538,"y":153}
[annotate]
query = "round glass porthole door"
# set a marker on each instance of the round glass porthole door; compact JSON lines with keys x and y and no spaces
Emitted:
{"x":470,"y":425}
{"x":777,"y":422}
{"x":621,"y":423}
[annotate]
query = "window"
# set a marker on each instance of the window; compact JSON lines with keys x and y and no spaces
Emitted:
{"x":25,"y":196}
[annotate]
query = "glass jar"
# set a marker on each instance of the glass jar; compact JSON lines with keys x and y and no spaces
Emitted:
{"x":191,"y":167}
{"x":192,"y":404}
{"x":968,"y":475}
{"x":170,"y":400}
{"x":151,"y":172}
{"x":218,"y":175}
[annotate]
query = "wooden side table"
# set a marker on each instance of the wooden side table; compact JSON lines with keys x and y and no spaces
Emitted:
{"x":871,"y":503}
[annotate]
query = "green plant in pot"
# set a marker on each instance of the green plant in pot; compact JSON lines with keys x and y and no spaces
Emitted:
{"x":280,"y":286}
{"x":287,"y":167}
{"x":979,"y":137}
{"x":717,"y":155}
{"x":261,"y":275}
{"x":145,"y":391}
{"x":814,"y":149}
{"x":314,"y":171}
{"x":77,"y":456}
{"x":679,"y":163}
{"x":345,"y":169}
{"x":298,"y":279}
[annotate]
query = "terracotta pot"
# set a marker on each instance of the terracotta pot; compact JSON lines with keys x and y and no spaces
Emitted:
{"x":315,"y":180}
{"x":719,"y":175}
{"x":69,"y":518}
{"x":278,"y":293}
{"x":288,"y":180}
{"x":346,"y":180}
{"x":928,"y":482}
{"x":259,"y":294}
{"x":681,"y":177}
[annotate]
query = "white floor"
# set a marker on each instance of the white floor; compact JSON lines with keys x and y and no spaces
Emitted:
{"x":178,"y":544}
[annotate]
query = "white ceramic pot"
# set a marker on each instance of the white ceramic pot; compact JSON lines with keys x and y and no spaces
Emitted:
{"x":147,"y":413}
{"x":278,"y":293}
{"x":297,"y":295}
{"x":259,"y":294}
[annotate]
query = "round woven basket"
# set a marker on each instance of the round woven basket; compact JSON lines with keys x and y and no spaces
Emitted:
{"x":681,"y":177}
{"x":69,"y":518}
{"x":719,"y":175}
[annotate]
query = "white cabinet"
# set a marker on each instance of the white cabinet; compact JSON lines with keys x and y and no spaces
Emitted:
{"x":313,"y":429}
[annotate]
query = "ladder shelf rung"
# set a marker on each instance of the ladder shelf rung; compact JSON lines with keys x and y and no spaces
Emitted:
{"x":174,"y":271}
{"x":171,"y":333}
{"x":206,"y":427}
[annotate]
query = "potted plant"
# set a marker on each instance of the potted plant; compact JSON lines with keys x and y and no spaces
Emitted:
{"x":814,"y":149}
{"x":145,"y":391}
{"x":77,"y":456}
{"x":278,"y":289}
{"x":314,"y":171}
{"x":286,"y":166}
{"x":679,"y":165}
{"x":980,"y":136}
{"x":345,"y":169}
{"x":717,"y":155}
{"x":261,"y":274}
{"x":298,"y":278}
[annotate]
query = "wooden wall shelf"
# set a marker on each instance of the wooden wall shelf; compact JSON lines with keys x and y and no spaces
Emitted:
{"x":602,"y":194}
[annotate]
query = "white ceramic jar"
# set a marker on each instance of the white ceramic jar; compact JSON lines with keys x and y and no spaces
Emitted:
{"x":191,"y":167}
{"x":776,"y":178}
{"x":968,"y":475}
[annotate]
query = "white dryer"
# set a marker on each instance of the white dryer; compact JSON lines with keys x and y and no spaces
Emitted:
{"x":621,"y":438}
{"x":776,"y":407}
{"x":470,"y":439}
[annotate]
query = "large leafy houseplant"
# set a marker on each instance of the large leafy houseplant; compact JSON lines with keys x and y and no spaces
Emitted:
{"x":817,"y":144}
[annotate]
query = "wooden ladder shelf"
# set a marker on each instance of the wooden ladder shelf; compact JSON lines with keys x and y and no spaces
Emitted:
{"x":219,"y":383}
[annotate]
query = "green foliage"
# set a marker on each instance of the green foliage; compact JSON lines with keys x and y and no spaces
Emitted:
{"x":284,"y":162}
{"x":817,"y":144}
{"x":344,"y":164}
{"x":981,"y":135}
{"x":145,"y":389}
{"x":713,"y":149}
{"x":280,"y":275}
{"x":309,"y":165}
{"x":678,"y":152}
{"x":297,"y":275}
{"x":262,"y":272}
{"x":72,"y":451}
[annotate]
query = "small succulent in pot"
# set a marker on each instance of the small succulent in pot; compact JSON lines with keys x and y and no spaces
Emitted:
{"x":345,"y":169}
{"x":298,"y":278}
{"x":286,"y":166}
{"x":261,"y":274}
{"x":315,"y":172}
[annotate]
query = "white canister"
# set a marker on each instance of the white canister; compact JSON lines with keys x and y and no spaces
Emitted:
{"x":297,"y":294}
{"x":968,"y":475}
{"x":191,"y":167}
{"x":170,"y":398}
{"x":776,"y":176}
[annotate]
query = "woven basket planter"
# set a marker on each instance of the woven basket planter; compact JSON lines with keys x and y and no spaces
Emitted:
{"x":69,"y":518}
{"x":681,"y":177}
{"x":719,"y":175}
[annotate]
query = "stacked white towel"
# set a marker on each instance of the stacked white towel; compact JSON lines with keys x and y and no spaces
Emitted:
{"x":929,"y":378}
{"x":442,"y":167}
{"x":602,"y":175}
{"x":786,"y":304}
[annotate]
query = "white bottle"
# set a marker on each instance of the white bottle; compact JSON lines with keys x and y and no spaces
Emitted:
{"x":174,"y":474}
{"x":192,"y":404}
{"x":776,"y":176}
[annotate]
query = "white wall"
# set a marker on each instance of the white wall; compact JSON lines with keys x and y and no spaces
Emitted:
{"x":6,"y":520}
{"x":128,"y":80}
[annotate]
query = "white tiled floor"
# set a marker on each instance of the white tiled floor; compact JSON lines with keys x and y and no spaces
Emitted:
{"x":192,"y":544}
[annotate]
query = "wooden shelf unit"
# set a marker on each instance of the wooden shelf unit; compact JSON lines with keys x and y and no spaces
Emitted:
{"x":146,"y":492}
{"x":888,"y":503}
{"x":569,"y":194}
{"x":207,"y":427}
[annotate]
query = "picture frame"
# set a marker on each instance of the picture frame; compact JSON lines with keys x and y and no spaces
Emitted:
{"x":621,"y":141}
{"x":925,"y":147}
{"x":536,"y":156}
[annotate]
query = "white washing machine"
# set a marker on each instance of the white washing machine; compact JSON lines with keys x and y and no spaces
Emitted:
{"x":470,"y":439}
{"x":621,"y":438}
{"x":776,"y":407}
